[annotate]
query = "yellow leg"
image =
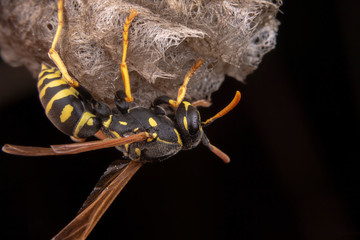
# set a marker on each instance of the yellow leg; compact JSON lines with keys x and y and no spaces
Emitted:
{"x":54,"y":55}
{"x":182,"y":89}
{"x":124,"y":69}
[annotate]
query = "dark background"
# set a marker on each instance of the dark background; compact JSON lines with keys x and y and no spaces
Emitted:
{"x":293,"y":141}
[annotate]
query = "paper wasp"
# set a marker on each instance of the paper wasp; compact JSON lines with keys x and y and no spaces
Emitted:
{"x":141,"y":134}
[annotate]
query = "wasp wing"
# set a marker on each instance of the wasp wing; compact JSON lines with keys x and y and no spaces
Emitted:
{"x":109,"y":175}
{"x":73,"y":148}
{"x":109,"y":186}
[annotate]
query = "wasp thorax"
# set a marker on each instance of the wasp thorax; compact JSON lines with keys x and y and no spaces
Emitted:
{"x":101,"y":110}
{"x":189,"y":125}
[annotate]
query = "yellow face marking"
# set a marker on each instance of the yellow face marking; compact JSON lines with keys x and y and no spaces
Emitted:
{"x":187,"y":104}
{"x":152,"y":122}
{"x":66,"y":113}
{"x":61,"y":94}
{"x":55,"y":74}
{"x":185,"y":123}
{"x":106,"y":123}
{"x":54,"y":83}
{"x":138,"y":151}
{"x":83,"y":120}
{"x":123,"y":123}
{"x":136,"y":129}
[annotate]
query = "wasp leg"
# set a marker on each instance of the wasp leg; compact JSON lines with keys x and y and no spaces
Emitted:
{"x":202,"y":103}
{"x":162,"y":100}
{"x":121,"y":104}
{"x":78,"y":140}
{"x":123,"y":66}
{"x":182,"y":89}
{"x":54,"y":55}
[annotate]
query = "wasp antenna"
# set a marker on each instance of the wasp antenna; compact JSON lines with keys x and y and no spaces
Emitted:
{"x":215,"y":150}
{"x":182,"y":89}
{"x":219,"y":153}
{"x":225,"y":110}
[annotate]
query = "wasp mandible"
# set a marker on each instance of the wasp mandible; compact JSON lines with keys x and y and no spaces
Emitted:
{"x":141,"y":134}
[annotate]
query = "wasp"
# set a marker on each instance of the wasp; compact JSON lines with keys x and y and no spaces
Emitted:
{"x":141,"y":134}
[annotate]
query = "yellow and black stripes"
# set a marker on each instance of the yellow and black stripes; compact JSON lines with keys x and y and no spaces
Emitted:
{"x":63,"y":105}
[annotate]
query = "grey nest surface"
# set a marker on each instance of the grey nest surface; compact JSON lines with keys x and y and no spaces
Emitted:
{"x":165,"y":40}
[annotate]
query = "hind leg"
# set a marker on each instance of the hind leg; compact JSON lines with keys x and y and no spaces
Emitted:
{"x":54,"y":55}
{"x":123,"y":66}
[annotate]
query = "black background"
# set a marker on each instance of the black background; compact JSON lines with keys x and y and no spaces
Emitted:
{"x":293,"y":141}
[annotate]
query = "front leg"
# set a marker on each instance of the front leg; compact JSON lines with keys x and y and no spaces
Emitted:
{"x":120,"y":101}
{"x":162,"y":100}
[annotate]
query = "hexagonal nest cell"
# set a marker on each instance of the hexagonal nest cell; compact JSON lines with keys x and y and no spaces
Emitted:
{"x":165,"y":40}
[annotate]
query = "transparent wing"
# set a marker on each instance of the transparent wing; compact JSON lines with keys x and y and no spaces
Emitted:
{"x":109,"y":186}
{"x":109,"y":175}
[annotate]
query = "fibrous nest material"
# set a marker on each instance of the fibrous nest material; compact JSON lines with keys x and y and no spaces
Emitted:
{"x":165,"y":40}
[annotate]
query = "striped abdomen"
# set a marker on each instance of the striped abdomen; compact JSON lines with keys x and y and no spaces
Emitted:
{"x":63,"y":106}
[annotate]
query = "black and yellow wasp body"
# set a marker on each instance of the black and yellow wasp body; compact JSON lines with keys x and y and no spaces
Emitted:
{"x":65,"y":107}
{"x":74,"y":112}
{"x":141,"y":134}
{"x":165,"y":142}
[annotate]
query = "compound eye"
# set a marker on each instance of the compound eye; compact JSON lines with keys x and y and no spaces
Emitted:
{"x":193,"y":120}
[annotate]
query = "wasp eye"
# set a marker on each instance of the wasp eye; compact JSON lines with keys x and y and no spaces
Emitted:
{"x":193,"y":120}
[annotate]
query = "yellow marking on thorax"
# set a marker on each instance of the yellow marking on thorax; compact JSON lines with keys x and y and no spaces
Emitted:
{"x":61,"y":94}
{"x":160,"y":140}
{"x":123,"y":123}
{"x":66,"y":113}
{"x":56,"y":74}
{"x":153,"y":136}
{"x":106,"y":123}
{"x":54,"y":83}
{"x":90,"y":122}
{"x":152,"y":122}
{"x":86,"y":116}
{"x":136,"y":129}
{"x":138,"y":151}
{"x":117,"y":135}
{"x":178,"y":136}
{"x":185,"y":123}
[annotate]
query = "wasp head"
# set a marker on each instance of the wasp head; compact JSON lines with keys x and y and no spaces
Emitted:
{"x":189,"y":125}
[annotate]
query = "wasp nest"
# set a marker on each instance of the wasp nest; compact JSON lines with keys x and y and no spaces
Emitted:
{"x":165,"y":40}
